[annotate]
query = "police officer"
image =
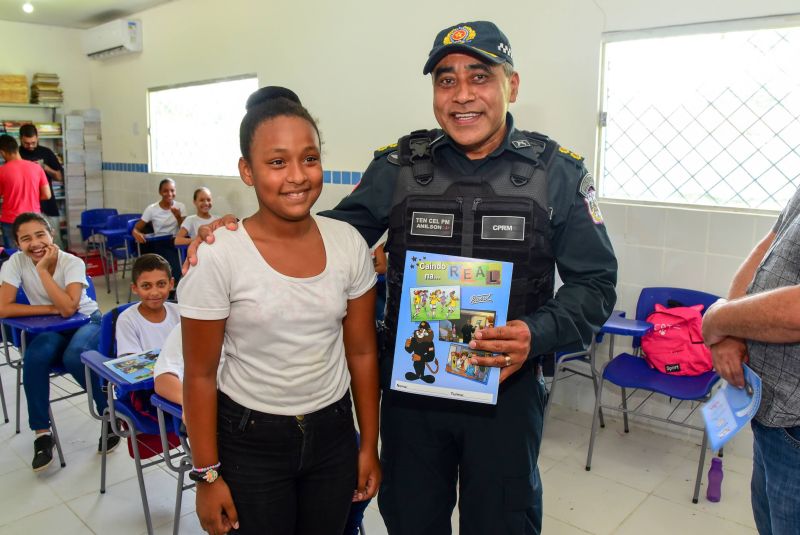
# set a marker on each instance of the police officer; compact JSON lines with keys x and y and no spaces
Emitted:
{"x":507,"y":195}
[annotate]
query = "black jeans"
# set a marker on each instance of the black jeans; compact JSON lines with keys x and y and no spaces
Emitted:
{"x":288,"y":474}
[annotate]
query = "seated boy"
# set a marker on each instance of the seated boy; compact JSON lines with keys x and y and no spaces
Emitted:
{"x":145,"y":326}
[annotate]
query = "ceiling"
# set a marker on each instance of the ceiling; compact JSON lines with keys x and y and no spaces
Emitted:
{"x":73,"y":13}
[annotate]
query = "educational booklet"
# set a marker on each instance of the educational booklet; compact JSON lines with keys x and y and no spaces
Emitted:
{"x":134,"y":368}
{"x":444,"y":300}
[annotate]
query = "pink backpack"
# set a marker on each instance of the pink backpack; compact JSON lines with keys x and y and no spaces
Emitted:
{"x":675,"y":345}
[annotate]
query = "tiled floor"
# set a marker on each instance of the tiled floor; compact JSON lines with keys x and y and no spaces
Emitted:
{"x":639,"y":483}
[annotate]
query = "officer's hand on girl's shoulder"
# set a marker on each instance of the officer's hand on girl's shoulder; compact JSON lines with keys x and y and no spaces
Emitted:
{"x":206,"y":234}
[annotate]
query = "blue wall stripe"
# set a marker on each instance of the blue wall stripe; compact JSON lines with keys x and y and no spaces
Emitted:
{"x":328,"y":177}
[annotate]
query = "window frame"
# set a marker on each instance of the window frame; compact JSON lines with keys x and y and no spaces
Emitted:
{"x":791,"y":20}
{"x":209,"y":81}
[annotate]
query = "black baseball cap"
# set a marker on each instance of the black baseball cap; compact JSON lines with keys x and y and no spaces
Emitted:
{"x":480,"y":38}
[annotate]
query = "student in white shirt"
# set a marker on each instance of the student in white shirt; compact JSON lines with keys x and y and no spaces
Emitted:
{"x":166,"y":217}
{"x":168,"y":371}
{"x":203,"y":203}
{"x":55,"y":283}
{"x":291,"y":296}
{"x":145,"y":325}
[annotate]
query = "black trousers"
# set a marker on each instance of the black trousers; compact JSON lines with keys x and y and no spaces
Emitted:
{"x":288,"y":475}
{"x":430,"y":445}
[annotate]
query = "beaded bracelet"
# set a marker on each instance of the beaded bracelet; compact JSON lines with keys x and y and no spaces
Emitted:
{"x":206,"y":469}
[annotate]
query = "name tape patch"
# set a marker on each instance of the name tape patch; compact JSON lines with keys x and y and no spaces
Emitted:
{"x":502,"y":227}
{"x":432,"y":224}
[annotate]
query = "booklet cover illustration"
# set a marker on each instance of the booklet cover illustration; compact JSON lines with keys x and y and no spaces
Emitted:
{"x":444,"y":300}
{"x":134,"y":368}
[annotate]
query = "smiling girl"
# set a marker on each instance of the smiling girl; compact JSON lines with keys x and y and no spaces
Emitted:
{"x":55,"y":283}
{"x":203,"y":203}
{"x":166,"y":217}
{"x":290,"y":294}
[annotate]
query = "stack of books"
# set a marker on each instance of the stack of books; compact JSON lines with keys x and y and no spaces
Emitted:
{"x":45,"y":90}
{"x":14,"y":88}
{"x":48,"y":129}
{"x":11,"y":127}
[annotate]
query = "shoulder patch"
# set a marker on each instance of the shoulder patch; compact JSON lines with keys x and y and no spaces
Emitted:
{"x":586,"y":185}
{"x":567,"y":152}
{"x":393,"y":158}
{"x":586,"y":189}
{"x":380,"y":151}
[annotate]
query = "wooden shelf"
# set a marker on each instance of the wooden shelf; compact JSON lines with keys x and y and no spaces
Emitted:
{"x":21,"y":105}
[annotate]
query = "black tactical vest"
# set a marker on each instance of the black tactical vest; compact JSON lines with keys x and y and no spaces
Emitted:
{"x":500,"y":217}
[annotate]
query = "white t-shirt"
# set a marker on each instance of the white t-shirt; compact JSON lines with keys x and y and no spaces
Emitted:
{"x":170,"y":360}
{"x":193,"y":222}
{"x":136,"y":334}
{"x":284,"y":351}
{"x":20,"y":270}
{"x":164,"y":221}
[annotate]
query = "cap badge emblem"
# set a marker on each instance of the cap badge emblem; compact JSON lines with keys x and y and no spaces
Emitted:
{"x":459,"y":34}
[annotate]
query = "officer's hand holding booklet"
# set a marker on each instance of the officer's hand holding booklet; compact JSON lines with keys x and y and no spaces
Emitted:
{"x":134,"y":368}
{"x":731,"y":408}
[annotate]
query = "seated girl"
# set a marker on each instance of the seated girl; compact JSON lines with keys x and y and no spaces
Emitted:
{"x":202,"y":202}
{"x":55,"y":283}
{"x":166,"y":217}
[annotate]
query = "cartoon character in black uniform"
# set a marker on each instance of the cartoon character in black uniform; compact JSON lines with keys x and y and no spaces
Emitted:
{"x":423,"y":352}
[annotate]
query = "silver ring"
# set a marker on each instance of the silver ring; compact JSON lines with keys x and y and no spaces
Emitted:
{"x":508,"y":361}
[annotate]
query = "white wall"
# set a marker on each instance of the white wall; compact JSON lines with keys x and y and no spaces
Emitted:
{"x":31,"y":48}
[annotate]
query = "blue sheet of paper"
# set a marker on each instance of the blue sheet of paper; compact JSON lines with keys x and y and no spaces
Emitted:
{"x":731,"y":408}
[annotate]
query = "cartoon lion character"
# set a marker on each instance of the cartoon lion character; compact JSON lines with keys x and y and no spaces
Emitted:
{"x":423,"y":352}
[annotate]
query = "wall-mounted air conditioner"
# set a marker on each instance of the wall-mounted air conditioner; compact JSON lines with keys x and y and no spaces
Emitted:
{"x":114,"y":38}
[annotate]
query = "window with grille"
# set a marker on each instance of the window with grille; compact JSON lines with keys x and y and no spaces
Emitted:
{"x":194,"y":128}
{"x":710,"y":119}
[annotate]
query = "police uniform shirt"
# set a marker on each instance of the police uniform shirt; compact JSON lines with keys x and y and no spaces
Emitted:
{"x":584,"y":255}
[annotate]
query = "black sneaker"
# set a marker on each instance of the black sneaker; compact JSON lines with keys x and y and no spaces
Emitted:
{"x":42,"y":452}
{"x":113,"y":440}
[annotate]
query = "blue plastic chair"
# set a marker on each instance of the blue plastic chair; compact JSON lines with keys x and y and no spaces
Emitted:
{"x":17,"y":332}
{"x":124,"y":253}
{"x":580,"y":364}
{"x":115,"y":245}
{"x":169,"y":421}
{"x":120,"y":408}
{"x":631,"y":371}
{"x":92,"y":221}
